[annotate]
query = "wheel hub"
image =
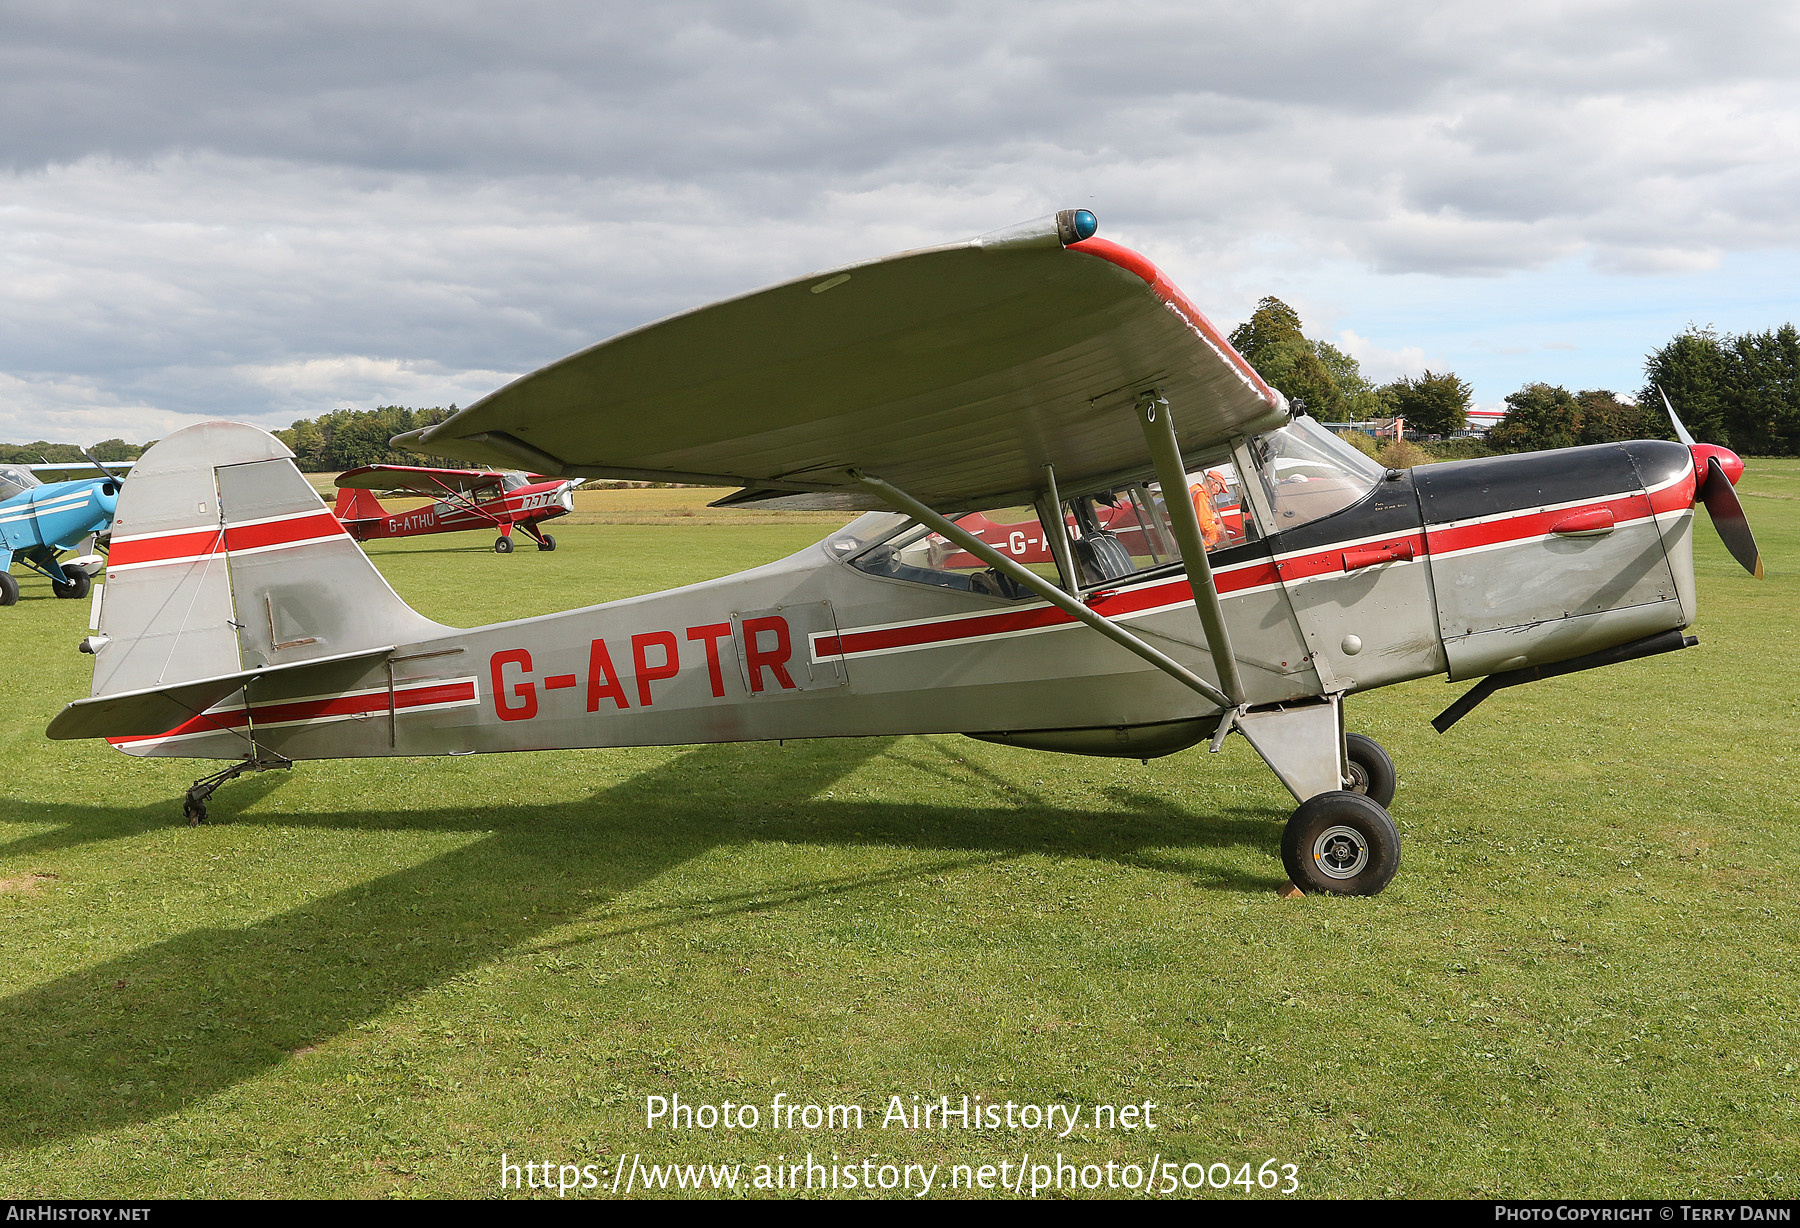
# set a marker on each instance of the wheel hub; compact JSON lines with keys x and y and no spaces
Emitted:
{"x":1341,"y":852}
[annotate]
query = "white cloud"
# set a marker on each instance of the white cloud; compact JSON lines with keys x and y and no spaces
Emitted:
{"x":441,"y":193}
{"x":1381,"y":366}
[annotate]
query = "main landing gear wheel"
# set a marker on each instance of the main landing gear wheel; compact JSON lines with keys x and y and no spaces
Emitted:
{"x":9,"y":589}
{"x":1341,"y":843}
{"x":546,"y":542}
{"x":503,"y":545}
{"x":79,"y":583}
{"x":1371,"y":771}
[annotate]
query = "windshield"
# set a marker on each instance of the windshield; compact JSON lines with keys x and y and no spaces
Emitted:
{"x":16,"y":480}
{"x":865,"y":530}
{"x":1309,"y":473}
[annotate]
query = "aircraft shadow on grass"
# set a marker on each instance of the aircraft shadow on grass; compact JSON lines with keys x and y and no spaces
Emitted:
{"x":156,"y":1030}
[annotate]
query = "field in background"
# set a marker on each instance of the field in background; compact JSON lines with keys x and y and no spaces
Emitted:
{"x":374,"y":978}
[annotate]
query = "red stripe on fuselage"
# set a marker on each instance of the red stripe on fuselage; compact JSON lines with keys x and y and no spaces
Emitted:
{"x":313,"y":709}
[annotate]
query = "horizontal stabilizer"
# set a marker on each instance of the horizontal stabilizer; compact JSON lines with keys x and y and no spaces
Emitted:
{"x":154,"y":710}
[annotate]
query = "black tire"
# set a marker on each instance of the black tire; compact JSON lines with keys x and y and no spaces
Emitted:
{"x":1371,"y":771}
{"x":79,"y":583}
{"x":1341,"y":843}
{"x":9,"y":589}
{"x":503,"y":545}
{"x":547,"y":542}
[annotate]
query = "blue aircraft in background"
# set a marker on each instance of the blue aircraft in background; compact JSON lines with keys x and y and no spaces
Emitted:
{"x":41,"y":520}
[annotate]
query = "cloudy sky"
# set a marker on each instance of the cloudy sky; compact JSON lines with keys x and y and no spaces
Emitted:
{"x":268,"y":211}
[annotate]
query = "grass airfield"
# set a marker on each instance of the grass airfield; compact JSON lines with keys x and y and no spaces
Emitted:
{"x":374,"y":978}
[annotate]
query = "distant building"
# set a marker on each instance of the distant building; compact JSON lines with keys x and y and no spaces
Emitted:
{"x":1482,"y":420}
{"x":1381,"y":428}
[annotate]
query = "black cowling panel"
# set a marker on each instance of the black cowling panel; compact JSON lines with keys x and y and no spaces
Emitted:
{"x":1468,"y":490}
{"x":1658,"y":460}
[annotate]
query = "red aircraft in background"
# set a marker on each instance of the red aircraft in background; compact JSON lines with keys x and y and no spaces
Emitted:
{"x":466,"y":499}
{"x":1212,"y":492}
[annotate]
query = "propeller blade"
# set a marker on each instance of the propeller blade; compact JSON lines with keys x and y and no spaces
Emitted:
{"x":1681,"y":432}
{"x":102,"y":468}
{"x":1729,"y":519}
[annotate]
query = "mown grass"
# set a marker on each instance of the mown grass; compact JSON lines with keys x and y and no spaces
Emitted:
{"x":373,"y":978}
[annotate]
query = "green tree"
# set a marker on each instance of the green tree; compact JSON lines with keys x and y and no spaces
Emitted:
{"x":1539,"y":416}
{"x":1271,"y":341}
{"x":1361,"y":399}
{"x":117,"y":450}
{"x":1432,"y":403}
{"x":1763,"y":392}
{"x":1693,"y":370}
{"x":1604,"y":418}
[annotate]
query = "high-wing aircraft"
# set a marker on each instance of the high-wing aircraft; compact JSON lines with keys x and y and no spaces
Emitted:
{"x":466,"y":499}
{"x":39,"y":521}
{"x":1036,"y":379}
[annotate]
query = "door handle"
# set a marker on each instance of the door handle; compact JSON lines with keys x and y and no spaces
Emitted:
{"x":1369,"y":556}
{"x":1597,"y":522}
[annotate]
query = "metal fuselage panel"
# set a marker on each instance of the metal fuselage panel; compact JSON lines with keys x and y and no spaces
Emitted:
{"x":1548,"y":555}
{"x":1360,"y":585}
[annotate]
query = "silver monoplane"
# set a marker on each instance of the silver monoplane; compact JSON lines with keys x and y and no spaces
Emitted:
{"x":1089,"y":527}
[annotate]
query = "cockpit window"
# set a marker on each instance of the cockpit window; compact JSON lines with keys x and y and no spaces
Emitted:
{"x":865,"y":531}
{"x":511,"y":481}
{"x":923,"y":557}
{"x":16,"y":480}
{"x":1309,"y":473}
{"x":1123,"y":531}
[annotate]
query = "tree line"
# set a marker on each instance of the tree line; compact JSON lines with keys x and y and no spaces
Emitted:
{"x":350,"y":438}
{"x":41,"y":452}
{"x":331,"y":443}
{"x":1742,"y":391}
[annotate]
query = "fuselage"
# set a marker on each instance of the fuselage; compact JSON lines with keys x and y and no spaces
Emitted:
{"x":1466,"y":568}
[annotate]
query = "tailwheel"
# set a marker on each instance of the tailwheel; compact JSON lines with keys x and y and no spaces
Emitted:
{"x":1371,"y":771}
{"x":79,"y":583}
{"x":503,"y":545}
{"x":1341,"y":843}
{"x":546,"y":542}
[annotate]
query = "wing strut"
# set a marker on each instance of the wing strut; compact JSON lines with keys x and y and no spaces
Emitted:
{"x":1159,"y":433}
{"x":895,"y":497}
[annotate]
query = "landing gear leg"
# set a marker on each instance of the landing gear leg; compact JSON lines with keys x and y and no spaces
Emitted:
{"x":193,"y":804}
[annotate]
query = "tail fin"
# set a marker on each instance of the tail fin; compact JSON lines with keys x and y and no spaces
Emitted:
{"x":225,"y":559}
{"x":358,"y":505}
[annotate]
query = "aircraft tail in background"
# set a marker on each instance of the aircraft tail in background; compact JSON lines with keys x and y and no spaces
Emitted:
{"x":358,"y":505}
